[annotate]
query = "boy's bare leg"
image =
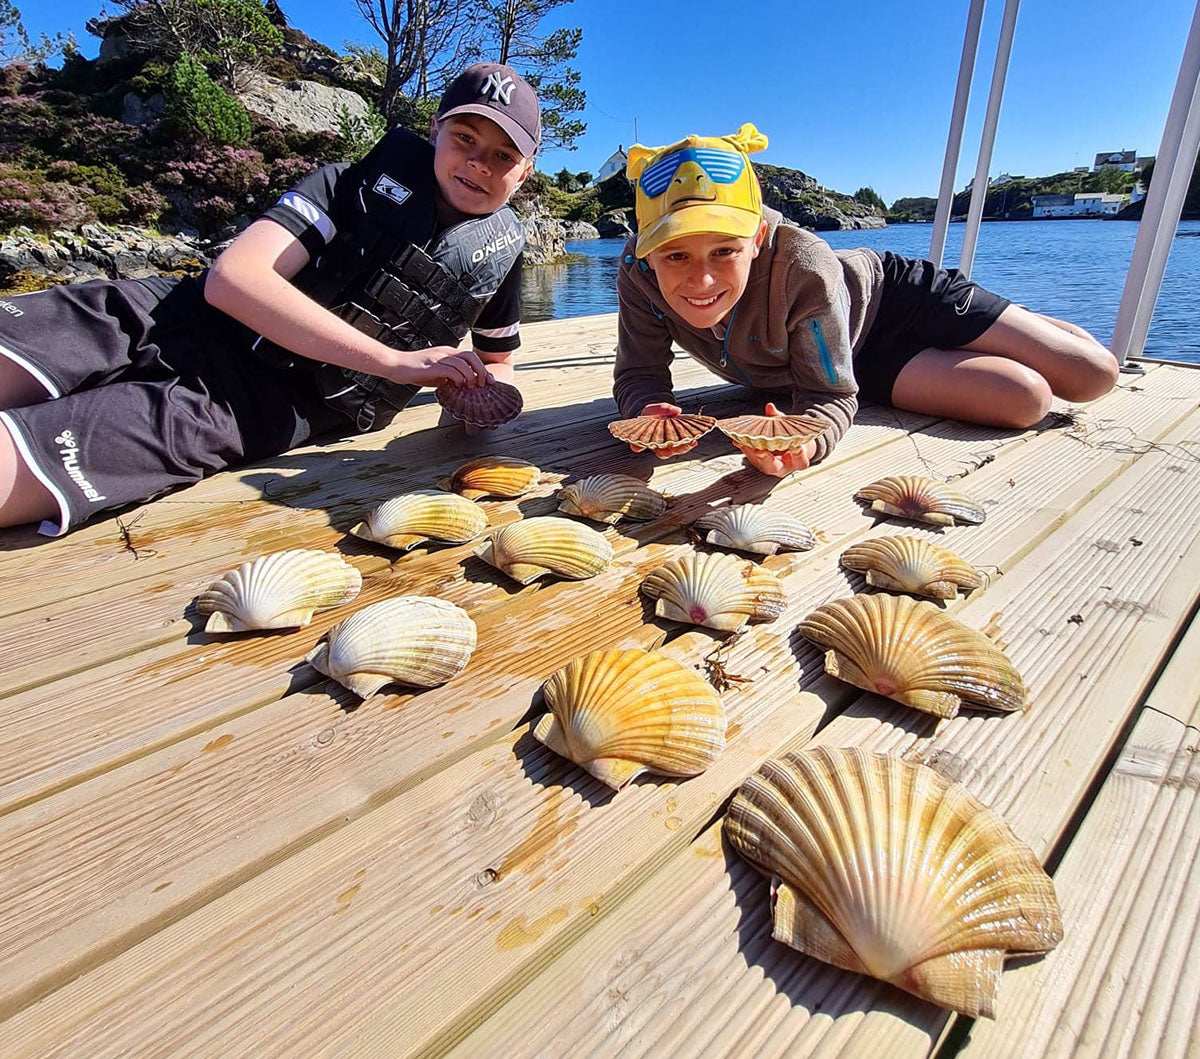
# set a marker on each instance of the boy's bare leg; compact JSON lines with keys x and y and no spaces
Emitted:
{"x":22,"y":497}
{"x":17,"y":387}
{"x":1007,"y":376}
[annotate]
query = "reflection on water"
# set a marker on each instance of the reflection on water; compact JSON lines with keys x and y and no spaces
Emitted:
{"x":1074,"y":270}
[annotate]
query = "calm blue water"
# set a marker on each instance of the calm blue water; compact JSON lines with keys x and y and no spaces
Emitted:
{"x":1074,"y":270}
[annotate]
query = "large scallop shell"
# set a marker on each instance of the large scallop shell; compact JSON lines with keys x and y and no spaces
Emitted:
{"x":481,"y":406}
{"x":910,"y":651}
{"x":620,"y":713}
{"x":913,"y":565}
{"x":418,"y":641}
{"x":755,"y":528}
{"x":773,"y":433}
{"x":921,"y":499}
{"x":889,"y":869}
{"x":534,"y":547}
{"x":428,"y":514}
{"x":502,"y":476}
{"x":611,"y":497}
{"x":660,"y":432}
{"x":278,"y":591}
{"x":716,"y":590}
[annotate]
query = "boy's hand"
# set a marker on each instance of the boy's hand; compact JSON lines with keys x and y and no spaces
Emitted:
{"x":664,"y":411}
{"x":438,"y":364}
{"x":778,"y":464}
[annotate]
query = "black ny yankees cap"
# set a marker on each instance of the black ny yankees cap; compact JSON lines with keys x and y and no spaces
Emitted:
{"x":500,"y":93}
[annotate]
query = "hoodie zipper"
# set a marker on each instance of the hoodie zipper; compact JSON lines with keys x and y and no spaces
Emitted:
{"x":725,"y":358}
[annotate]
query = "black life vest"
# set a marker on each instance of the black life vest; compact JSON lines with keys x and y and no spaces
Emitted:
{"x":387,"y":273}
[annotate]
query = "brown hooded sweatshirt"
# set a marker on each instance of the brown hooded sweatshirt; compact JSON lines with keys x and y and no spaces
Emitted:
{"x":805,"y":312}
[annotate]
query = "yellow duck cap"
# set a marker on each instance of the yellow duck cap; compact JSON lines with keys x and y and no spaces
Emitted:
{"x":701,"y":184}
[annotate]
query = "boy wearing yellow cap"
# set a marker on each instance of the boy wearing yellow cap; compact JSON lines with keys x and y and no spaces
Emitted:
{"x":771,"y":306}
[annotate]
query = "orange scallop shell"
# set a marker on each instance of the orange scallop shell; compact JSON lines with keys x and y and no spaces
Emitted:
{"x":481,"y":406}
{"x":660,"y":432}
{"x":773,"y":433}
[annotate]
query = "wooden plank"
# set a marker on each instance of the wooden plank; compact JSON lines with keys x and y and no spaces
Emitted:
{"x":503,"y":839}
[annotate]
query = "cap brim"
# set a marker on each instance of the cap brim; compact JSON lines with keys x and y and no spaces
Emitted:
{"x":701,"y":219}
{"x":525,"y":143}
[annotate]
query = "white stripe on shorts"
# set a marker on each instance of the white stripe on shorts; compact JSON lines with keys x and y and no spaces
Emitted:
{"x":33,"y":370}
{"x":47,"y":528}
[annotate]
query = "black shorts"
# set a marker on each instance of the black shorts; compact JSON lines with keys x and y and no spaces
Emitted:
{"x":921,"y":307}
{"x":150,"y":390}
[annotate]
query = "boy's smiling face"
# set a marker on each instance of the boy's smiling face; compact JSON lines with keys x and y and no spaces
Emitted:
{"x":477,"y":166}
{"x":702,"y":276}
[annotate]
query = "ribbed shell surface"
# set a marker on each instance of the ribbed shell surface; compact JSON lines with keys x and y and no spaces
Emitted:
{"x":503,"y":476}
{"x":755,"y":528}
{"x":911,"y":564}
{"x":921,"y":499}
{"x":660,"y":432}
{"x":717,"y":590}
{"x":417,"y":641}
{"x":534,"y":547}
{"x":278,"y":591}
{"x":609,"y":498}
{"x":773,"y":433}
{"x":891,"y":870}
{"x":428,"y":514}
{"x":622,"y":712}
{"x":481,"y":406}
{"x":910,"y":651}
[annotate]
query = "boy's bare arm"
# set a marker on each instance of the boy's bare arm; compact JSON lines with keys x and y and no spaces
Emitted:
{"x":251,"y":282}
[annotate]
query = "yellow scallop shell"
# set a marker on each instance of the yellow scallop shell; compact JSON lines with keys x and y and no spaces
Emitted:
{"x":889,"y":869}
{"x":716,"y":590}
{"x":428,"y":514}
{"x":921,"y":499}
{"x":609,"y":498}
{"x":913,"y":565}
{"x":503,"y":476}
{"x":535,"y":547}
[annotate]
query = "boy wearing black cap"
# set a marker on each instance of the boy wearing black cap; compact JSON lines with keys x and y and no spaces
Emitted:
{"x":329,"y":312}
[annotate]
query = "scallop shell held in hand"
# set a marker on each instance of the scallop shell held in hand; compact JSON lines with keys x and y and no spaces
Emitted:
{"x":773,"y":433}
{"x":921,"y":499}
{"x":620,"y":713}
{"x":661,"y":432}
{"x":716,"y":590}
{"x":418,"y":641}
{"x":913,"y":565}
{"x":755,"y":528}
{"x":611,"y":497}
{"x":889,"y":869}
{"x":278,"y":591}
{"x":481,"y":406}
{"x":429,"y":514}
{"x":534,"y":547}
{"x":502,"y":476}
{"x":910,"y":651}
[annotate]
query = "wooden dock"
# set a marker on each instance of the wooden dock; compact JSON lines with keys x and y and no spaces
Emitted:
{"x":209,"y":849}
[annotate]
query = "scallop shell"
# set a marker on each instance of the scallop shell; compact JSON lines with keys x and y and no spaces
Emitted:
{"x":910,"y":651}
{"x":278,"y":591}
{"x":534,"y":547}
{"x":773,"y":433}
{"x":481,"y":406}
{"x":502,"y":476}
{"x":413,"y":640}
{"x":717,"y":590}
{"x":889,"y":869}
{"x":611,"y":497}
{"x":621,"y":713}
{"x":755,"y":528}
{"x":913,"y":565}
{"x":660,"y":432}
{"x":921,"y":499}
{"x":428,"y":514}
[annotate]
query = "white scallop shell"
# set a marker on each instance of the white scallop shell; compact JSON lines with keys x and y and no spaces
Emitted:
{"x":716,"y":590}
{"x":611,"y":497}
{"x":534,"y":547}
{"x":755,"y":528}
{"x":417,"y":641}
{"x":278,"y":591}
{"x":427,"y":514}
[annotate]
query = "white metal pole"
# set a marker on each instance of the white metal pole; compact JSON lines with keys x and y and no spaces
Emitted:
{"x":980,"y":188}
{"x":1164,"y":202}
{"x":958,"y":116}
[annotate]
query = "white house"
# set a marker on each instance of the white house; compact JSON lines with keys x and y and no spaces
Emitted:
{"x":1082,"y":204}
{"x":1125,"y":160}
{"x":1053,"y":206}
{"x":615,"y":164}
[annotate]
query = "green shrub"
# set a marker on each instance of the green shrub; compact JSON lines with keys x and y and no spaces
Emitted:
{"x":359,"y":132}
{"x":198,"y":104}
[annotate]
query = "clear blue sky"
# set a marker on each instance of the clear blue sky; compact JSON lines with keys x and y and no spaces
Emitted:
{"x":854,"y":94}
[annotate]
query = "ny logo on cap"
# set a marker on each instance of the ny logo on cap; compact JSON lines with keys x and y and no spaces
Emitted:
{"x":500,"y":87}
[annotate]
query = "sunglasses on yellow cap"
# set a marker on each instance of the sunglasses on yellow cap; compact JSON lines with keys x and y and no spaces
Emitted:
{"x":721,"y":167}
